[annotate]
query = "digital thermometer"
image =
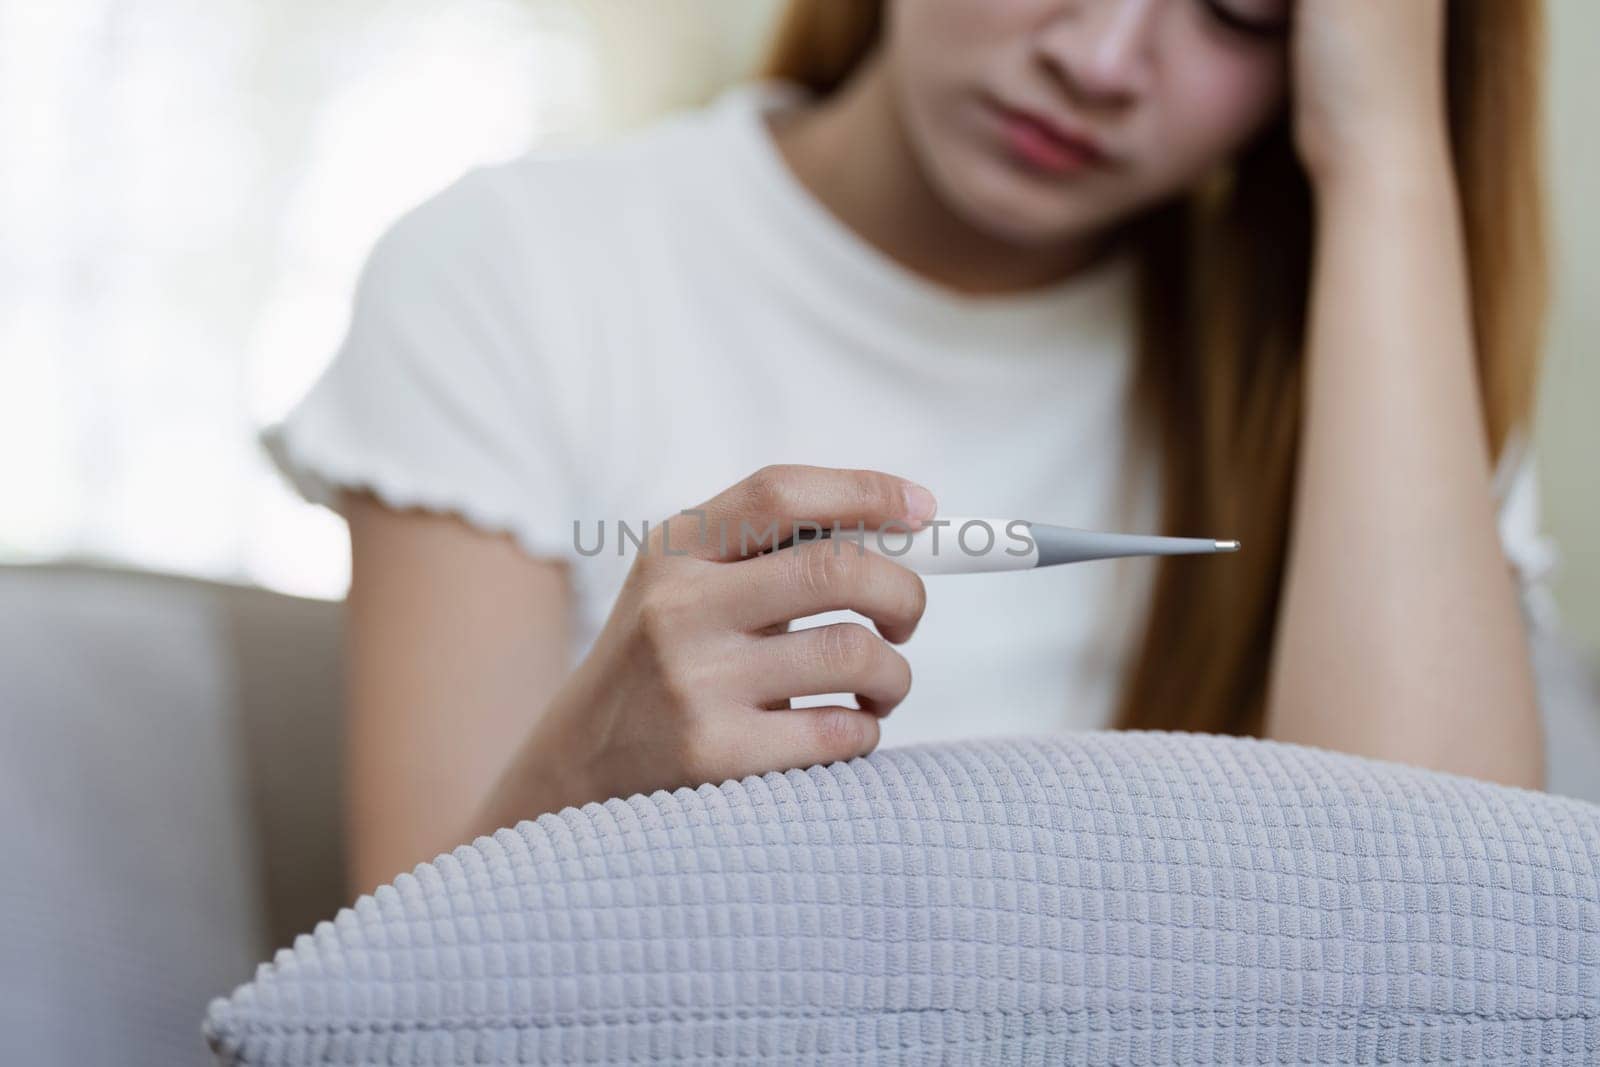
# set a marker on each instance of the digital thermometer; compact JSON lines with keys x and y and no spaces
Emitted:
{"x":975,"y":545}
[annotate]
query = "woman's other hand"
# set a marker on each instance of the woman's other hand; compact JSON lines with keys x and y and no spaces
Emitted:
{"x":1399,"y":634}
{"x":1369,"y":86}
{"x":691,"y":677}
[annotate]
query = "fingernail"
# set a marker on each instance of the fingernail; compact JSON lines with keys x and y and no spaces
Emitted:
{"x":919,"y":502}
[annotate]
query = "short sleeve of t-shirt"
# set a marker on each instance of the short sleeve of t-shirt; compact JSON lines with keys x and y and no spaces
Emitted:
{"x":1532,"y":555}
{"x":440,"y":396}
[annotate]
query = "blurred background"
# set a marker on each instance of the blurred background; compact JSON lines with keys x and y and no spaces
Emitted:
{"x":188,"y":187}
{"x":187,"y":190}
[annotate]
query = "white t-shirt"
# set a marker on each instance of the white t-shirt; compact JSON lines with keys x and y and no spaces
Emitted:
{"x":622,"y":332}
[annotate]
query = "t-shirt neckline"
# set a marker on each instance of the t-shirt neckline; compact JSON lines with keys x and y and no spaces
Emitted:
{"x":1036,"y":320}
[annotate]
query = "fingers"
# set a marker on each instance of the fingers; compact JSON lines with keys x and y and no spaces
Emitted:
{"x":801,"y":737}
{"x":730,"y":583}
{"x":763,"y":510}
{"x":843,"y":657}
{"x":817,"y":576}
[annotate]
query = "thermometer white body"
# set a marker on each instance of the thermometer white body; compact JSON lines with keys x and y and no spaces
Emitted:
{"x":960,"y":544}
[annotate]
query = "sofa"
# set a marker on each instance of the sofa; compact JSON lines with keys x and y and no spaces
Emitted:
{"x":169,"y":781}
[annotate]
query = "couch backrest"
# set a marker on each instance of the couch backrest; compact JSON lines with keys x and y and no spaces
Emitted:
{"x":168,"y":802}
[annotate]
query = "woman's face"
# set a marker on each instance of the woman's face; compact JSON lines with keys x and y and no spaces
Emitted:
{"x":1041,"y":120}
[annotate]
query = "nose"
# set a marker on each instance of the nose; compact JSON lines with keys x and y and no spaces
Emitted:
{"x":1101,"y":49}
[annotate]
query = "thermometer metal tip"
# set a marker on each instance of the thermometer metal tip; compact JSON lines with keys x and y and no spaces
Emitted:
{"x":1227,"y":546}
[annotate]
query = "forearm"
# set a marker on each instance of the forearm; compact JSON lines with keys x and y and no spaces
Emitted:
{"x":551,"y":768}
{"x":1400,"y":635}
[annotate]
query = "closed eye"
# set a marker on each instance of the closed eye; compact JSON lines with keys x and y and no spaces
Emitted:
{"x":1266,"y":28}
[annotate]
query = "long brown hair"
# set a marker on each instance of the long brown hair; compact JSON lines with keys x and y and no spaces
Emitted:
{"x":1224,"y":277}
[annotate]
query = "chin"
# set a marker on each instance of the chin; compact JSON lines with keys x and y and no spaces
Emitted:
{"x":1015,"y":209}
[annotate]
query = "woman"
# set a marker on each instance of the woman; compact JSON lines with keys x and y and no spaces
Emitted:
{"x":1055,"y":259}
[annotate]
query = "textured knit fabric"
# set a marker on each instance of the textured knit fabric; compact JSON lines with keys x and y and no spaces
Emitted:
{"x":1135,"y":898}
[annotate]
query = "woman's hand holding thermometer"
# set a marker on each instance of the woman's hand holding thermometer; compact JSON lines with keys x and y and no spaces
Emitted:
{"x":690,"y":679}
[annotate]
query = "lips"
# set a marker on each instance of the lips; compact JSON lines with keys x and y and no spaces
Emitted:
{"x":1044,"y":144}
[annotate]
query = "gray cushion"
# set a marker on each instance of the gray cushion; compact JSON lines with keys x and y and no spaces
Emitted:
{"x":1103,"y":898}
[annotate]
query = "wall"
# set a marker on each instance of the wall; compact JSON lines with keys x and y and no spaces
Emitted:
{"x":1569,"y":422}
